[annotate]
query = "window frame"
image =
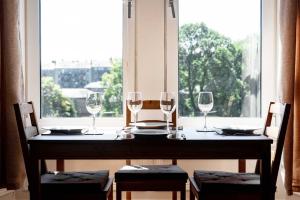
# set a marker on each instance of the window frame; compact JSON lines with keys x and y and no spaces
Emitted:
{"x":33,"y":63}
{"x":268,"y":67}
{"x":268,"y":55}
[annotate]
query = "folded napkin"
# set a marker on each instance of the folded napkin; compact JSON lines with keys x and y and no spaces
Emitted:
{"x":239,"y":131}
{"x":64,"y":130}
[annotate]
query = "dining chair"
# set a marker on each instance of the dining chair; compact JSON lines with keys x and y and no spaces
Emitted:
{"x":150,"y":177}
{"x":80,"y":185}
{"x":213,"y":185}
{"x":150,"y":105}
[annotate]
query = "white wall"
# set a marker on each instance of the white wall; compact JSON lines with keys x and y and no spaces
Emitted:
{"x":150,"y":47}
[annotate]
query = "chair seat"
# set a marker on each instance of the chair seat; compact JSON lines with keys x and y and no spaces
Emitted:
{"x":150,"y":172}
{"x":215,"y":181}
{"x":89,"y":182}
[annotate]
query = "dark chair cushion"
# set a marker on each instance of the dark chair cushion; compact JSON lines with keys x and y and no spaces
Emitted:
{"x":150,"y":172}
{"x":89,"y":182}
{"x":214,"y":181}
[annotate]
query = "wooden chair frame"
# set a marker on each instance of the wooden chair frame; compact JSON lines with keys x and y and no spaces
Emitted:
{"x":22,"y":110}
{"x":151,"y":105}
{"x":194,"y":189}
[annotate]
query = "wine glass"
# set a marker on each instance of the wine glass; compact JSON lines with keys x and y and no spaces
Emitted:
{"x":167,"y":106}
{"x":134,"y":103}
{"x":93,"y":105}
{"x":205,"y":104}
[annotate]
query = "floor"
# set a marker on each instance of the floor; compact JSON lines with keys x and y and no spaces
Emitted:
{"x":157,"y":196}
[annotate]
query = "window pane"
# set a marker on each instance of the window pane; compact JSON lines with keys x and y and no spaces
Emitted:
{"x":219,"y":51}
{"x":81,"y":50}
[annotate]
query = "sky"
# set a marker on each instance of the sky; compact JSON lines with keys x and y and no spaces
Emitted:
{"x":234,"y":18}
{"x":92,"y":29}
{"x":81,"y":29}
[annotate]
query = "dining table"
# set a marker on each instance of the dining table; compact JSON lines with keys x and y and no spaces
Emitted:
{"x":188,"y":144}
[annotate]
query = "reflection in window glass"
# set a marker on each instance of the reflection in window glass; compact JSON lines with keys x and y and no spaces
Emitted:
{"x":219,"y":51}
{"x":81,"y":50}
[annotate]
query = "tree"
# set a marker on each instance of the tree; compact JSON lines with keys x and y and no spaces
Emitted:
{"x":113,"y":92}
{"x":209,"y":61}
{"x":54,"y":104}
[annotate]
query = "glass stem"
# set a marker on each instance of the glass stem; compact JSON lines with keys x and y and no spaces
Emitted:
{"x":94,"y":119}
{"x":135,"y":115}
{"x":168,"y":127}
{"x":205,"y":114}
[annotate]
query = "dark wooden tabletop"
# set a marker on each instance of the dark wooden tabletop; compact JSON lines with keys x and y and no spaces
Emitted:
{"x":196,"y":145}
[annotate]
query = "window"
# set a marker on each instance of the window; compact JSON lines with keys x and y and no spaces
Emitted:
{"x":81,"y":50}
{"x":219,"y":50}
{"x":140,"y":54}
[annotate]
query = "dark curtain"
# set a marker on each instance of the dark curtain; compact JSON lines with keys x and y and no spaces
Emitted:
{"x":289,"y":22}
{"x":12,"y":171}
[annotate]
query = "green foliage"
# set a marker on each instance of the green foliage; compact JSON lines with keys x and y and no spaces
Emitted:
{"x":54,"y":104}
{"x":113,"y":92}
{"x":209,"y":61}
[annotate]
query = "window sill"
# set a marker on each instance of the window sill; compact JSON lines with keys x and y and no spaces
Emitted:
{"x":192,"y":122}
{"x":83,"y":121}
{"x":196,"y":122}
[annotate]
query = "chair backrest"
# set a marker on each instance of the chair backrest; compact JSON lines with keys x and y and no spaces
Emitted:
{"x":278,"y":115}
{"x":151,"y":105}
{"x":26,"y":130}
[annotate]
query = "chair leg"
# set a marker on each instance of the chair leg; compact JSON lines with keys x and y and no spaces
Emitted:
{"x":128,"y":195}
{"x":174,"y":195}
{"x":118,"y":194}
{"x":111,"y":195}
{"x":192,"y":197}
{"x":182,"y":195}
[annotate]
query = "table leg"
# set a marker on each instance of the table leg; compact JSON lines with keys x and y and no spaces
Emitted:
{"x":265,"y":177}
{"x":34,"y":184}
{"x":242,"y":165}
